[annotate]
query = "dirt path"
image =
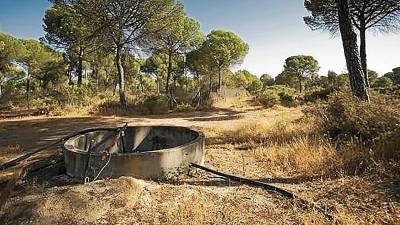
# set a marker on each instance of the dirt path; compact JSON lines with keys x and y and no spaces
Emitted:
{"x":19,"y":135}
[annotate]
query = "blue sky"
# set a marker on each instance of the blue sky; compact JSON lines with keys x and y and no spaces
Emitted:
{"x":274,"y":30}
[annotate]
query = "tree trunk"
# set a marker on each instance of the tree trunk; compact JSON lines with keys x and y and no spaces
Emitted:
{"x":363,"y":53}
{"x":115,"y":84}
{"x":80,"y":67}
{"x":173,"y":86}
{"x":301,"y":85}
{"x":169,"y":72}
{"x":96,"y":73}
{"x":349,"y":39}
{"x":158,"y":83}
{"x":141,"y":87}
{"x":28,"y":87}
{"x":198,"y":81}
{"x":69,"y":74}
{"x":219,"y":78}
{"x":210,"y":82}
{"x":121,"y":76}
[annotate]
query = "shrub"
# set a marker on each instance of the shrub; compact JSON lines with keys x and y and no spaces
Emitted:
{"x":374,"y":124}
{"x":156,"y":104}
{"x":184,"y":107}
{"x":318,"y":95}
{"x":288,"y":99}
{"x":279,"y":94}
{"x":268,"y":98}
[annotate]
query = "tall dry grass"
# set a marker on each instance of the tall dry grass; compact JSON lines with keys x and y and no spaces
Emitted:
{"x":294,"y":147}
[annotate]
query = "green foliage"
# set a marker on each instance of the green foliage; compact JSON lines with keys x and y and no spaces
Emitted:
{"x":97,"y":55}
{"x":11,"y":50}
{"x":226,"y":48}
{"x":346,"y":117}
{"x":318,"y":95}
{"x":394,"y":75}
{"x":244,"y":79}
{"x":180,"y":36}
{"x":279,"y":94}
{"x":122,"y":24}
{"x":365,"y":14}
{"x":267,"y":80}
{"x":302,"y":67}
{"x":64,"y":29}
{"x":268,"y":98}
{"x":254,"y":86}
{"x":286,"y":79}
{"x":184,"y":107}
{"x":322,"y":87}
{"x":373,"y":77}
{"x":374,"y":125}
{"x":156,"y":104}
{"x":383,"y":82}
{"x":198,"y":62}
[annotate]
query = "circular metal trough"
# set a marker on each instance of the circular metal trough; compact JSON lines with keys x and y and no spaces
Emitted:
{"x":147,"y":152}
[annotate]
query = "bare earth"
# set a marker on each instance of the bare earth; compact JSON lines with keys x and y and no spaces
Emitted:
{"x":201,"y":199}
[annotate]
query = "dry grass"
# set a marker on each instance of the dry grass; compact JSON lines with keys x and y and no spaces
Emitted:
{"x":285,"y":146}
{"x":131,"y":201}
{"x":289,"y":146}
{"x":304,"y":157}
{"x":262,"y":144}
{"x":72,"y":111}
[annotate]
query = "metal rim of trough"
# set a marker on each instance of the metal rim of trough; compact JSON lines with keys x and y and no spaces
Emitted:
{"x":163,"y":163}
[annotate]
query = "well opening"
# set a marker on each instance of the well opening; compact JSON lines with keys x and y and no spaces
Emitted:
{"x":150,"y":152}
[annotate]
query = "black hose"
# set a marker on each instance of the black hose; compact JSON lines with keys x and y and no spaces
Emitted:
{"x":303,"y":203}
{"x":16,"y":161}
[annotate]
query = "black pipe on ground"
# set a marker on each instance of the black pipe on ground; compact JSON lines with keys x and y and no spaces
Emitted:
{"x":303,"y":203}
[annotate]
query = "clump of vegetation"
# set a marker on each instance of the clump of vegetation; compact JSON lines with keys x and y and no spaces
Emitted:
{"x":286,"y":146}
{"x":345,"y":118}
{"x":278,"y":94}
{"x":268,"y":98}
{"x":157,"y":104}
{"x":318,"y":95}
{"x":184,"y":107}
{"x":341,"y":136}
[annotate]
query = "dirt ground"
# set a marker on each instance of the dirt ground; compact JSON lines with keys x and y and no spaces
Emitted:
{"x":202,"y":199}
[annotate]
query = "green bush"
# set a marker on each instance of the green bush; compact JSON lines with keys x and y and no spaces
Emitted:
{"x":156,"y":104}
{"x":268,"y":98}
{"x":318,"y":95}
{"x":288,"y":99}
{"x":184,"y":107}
{"x":279,"y":94}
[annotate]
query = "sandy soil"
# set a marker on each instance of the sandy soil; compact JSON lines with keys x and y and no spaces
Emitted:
{"x":202,"y":199}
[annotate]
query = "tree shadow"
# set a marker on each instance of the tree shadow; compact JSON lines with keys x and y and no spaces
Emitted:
{"x":391,"y":188}
{"x":216,"y":118}
{"x":18,"y":213}
{"x":32,"y":133}
{"x":218,"y":181}
{"x":253,"y":103}
{"x":172,"y":115}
